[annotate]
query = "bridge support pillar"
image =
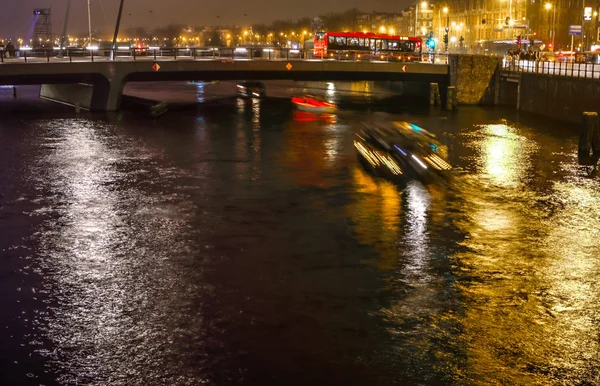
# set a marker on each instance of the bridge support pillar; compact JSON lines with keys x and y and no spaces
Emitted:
{"x":115,"y":94}
{"x":107,"y":96}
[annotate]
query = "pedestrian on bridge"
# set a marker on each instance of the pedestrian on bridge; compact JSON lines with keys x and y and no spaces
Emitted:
{"x":10,"y":49}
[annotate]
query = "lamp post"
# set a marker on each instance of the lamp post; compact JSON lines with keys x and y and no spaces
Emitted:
{"x":510,"y":21}
{"x":114,"y":42}
{"x":549,"y":6}
{"x":64,"y":33}
{"x":90,"y":20}
{"x":447,"y":29}
{"x":439,"y":23}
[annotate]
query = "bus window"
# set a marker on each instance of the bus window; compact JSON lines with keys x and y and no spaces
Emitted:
{"x":353,"y":42}
{"x":384,"y":44}
{"x":377,"y":44}
{"x":361,"y":42}
{"x":372,"y":41}
{"x":331,"y":40}
{"x":319,"y":35}
{"x":340,"y":41}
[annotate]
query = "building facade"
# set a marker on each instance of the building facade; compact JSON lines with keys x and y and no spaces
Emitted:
{"x":544,"y":21}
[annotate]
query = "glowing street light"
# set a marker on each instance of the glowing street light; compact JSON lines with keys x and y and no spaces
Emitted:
{"x":548,"y":7}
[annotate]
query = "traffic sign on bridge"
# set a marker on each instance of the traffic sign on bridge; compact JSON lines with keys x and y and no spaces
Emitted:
{"x":156,"y":67}
{"x":404,"y":68}
{"x":575,"y":30}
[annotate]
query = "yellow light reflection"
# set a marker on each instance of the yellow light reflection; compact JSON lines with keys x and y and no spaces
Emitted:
{"x":504,"y":155}
{"x":255,"y":114}
{"x":375,"y":213}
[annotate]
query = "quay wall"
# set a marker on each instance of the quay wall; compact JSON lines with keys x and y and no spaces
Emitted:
{"x":559,"y":97}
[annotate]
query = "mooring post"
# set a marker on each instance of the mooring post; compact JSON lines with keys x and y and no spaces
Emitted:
{"x":450,"y":96}
{"x":588,"y":151}
{"x":432,"y":93}
{"x":519,"y":93}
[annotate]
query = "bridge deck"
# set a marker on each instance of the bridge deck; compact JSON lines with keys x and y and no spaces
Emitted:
{"x":108,"y":77}
{"x":37,"y":72}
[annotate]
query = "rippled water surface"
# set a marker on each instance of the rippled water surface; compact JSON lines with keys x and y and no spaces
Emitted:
{"x":241,"y":243}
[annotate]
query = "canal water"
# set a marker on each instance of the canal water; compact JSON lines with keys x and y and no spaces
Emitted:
{"x":239,"y":242}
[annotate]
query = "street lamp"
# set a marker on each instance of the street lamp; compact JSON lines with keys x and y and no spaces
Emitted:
{"x":447,"y":29}
{"x":549,"y":6}
{"x":114,"y":42}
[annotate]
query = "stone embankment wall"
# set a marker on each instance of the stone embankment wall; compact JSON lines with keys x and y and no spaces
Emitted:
{"x":474,"y":77}
{"x":559,"y":97}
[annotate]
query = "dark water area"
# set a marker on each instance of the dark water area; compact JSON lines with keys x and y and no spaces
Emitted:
{"x":239,"y":242}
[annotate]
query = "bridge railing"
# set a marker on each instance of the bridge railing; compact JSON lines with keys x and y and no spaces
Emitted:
{"x":557,"y":68}
{"x":210,"y":53}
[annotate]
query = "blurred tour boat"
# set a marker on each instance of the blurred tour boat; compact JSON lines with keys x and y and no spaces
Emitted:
{"x":400,"y":150}
{"x":313,"y":104}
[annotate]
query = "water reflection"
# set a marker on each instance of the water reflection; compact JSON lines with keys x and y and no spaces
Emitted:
{"x":330,"y":94}
{"x":375,"y":216}
{"x":256,"y":105}
{"x":232,"y":253}
{"x":104,"y":281}
{"x":306,"y":116}
{"x":529,"y":261}
{"x":200,"y":92}
{"x":416,"y":237}
{"x":505,"y":154}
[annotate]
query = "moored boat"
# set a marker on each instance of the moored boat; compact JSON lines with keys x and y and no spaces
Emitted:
{"x":313,"y":104}
{"x":251,"y":89}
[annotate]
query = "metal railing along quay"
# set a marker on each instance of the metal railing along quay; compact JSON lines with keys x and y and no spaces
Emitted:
{"x":558,"y":68}
{"x":209,"y":53}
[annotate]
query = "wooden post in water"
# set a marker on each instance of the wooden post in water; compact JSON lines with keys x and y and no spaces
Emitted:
{"x":434,"y":94}
{"x":588,"y":151}
{"x":450,"y":97}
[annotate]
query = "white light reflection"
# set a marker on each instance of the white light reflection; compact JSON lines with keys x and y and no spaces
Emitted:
{"x":241,"y":105}
{"x":200,"y":94}
{"x":86,"y":249}
{"x":416,"y":238}
{"x":330,"y":93}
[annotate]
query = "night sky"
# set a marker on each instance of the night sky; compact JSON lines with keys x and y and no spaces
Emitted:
{"x":16,"y":19}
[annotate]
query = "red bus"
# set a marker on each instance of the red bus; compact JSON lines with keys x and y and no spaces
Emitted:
{"x":336,"y":44}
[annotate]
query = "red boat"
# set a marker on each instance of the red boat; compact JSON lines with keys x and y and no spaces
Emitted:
{"x":313,"y":104}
